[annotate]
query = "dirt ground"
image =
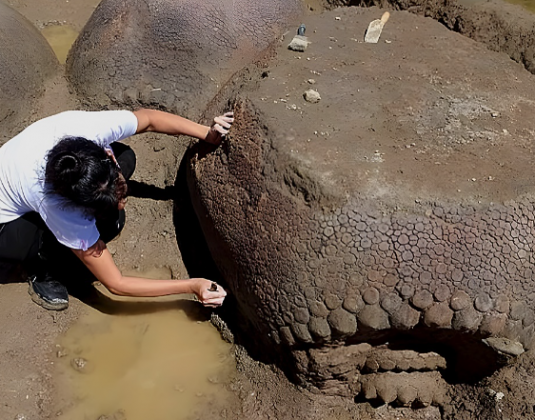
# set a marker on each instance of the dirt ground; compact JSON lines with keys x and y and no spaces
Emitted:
{"x":29,"y":333}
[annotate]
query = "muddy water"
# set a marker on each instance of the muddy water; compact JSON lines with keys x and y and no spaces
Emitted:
{"x":59,"y":21}
{"x":60,"y":38}
{"x":147,"y":360}
{"x":527,"y":4}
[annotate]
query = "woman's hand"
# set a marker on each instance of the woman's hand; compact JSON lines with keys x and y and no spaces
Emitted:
{"x":219,"y":128}
{"x":100,"y":262}
{"x":209,"y":293}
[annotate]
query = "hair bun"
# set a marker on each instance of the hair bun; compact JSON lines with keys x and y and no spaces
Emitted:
{"x":68,"y":162}
{"x":68,"y":166}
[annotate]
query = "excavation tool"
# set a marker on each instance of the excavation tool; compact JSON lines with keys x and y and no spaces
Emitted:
{"x":300,"y":41}
{"x":375,"y":28}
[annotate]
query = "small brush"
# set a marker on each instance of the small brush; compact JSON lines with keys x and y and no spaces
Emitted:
{"x":300,"y":41}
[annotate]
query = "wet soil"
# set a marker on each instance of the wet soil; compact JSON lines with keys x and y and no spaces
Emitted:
{"x":29,"y":334}
{"x":152,"y":358}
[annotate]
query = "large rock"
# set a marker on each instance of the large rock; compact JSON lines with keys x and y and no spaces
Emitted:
{"x":175,"y":54}
{"x":26,"y":61}
{"x":398,"y":210}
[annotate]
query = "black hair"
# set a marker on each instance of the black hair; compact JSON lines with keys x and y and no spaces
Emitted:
{"x":81,"y":171}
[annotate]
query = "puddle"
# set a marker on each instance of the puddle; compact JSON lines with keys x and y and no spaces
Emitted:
{"x":527,"y":4}
{"x":60,"y":38}
{"x":150,"y":360}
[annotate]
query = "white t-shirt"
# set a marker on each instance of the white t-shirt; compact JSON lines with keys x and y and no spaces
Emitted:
{"x":22,"y":168}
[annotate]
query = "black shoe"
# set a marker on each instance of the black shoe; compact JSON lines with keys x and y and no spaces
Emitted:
{"x":48,"y":293}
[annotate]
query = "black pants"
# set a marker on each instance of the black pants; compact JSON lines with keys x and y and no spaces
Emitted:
{"x":28,"y":240}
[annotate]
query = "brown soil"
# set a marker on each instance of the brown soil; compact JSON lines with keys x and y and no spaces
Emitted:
{"x":29,"y":334}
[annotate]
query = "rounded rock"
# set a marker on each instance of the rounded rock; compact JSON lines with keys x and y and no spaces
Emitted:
{"x":501,"y":304}
{"x":387,"y":364}
{"x":386,"y":391}
{"x":405,"y":271}
{"x":406,"y":317}
{"x":342,"y":322}
{"x":384,"y":246}
{"x":81,"y":365}
{"x":407,"y":291}
{"x":353,"y":304}
{"x":460,"y":300}
{"x":301,"y":315}
{"x":493,"y":324}
{"x":529,"y":318}
{"x":330,"y":251}
{"x":467,"y":319}
{"x":374,"y":275}
{"x":438,"y":315}
{"x":391,"y":302}
{"x":318,"y":309}
{"x":426,"y":277}
{"x":319,"y":327}
{"x":301,"y":332}
{"x":371,"y":296}
{"x":403,"y":239}
{"x":518,"y":310}
{"x":374,"y":317}
{"x":346,"y":238}
{"x":332,"y":301}
{"x":457,"y":275}
{"x":371,"y":365}
{"x":483,"y":303}
{"x":441,"y":268}
{"x":422,"y":299}
{"x":369,"y":391}
{"x":404,"y":364}
{"x":425,"y":396}
{"x":390,"y":280}
{"x":407,"y":394}
{"x":312,"y":96}
{"x":505,"y":346}
{"x":287,"y":336}
{"x":442,"y":293}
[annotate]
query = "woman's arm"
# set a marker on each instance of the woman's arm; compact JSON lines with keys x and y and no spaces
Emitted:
{"x":100,"y":262}
{"x":151,"y":120}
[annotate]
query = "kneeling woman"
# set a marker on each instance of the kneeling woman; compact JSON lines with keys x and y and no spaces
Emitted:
{"x":63,"y":190}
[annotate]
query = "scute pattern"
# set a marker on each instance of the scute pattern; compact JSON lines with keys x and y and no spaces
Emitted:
{"x":171,"y":54}
{"x":308,"y":275}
